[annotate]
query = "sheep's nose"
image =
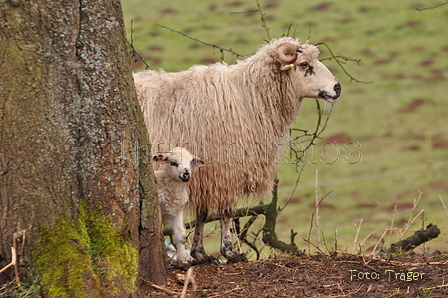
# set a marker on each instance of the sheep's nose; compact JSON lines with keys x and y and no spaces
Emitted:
{"x":337,"y":88}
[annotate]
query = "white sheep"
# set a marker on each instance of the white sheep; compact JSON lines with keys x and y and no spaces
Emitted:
{"x":235,"y":117}
{"x":173,"y":195}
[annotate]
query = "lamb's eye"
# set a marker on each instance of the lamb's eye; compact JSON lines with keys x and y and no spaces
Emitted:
{"x":174,"y":164}
{"x":304,"y":64}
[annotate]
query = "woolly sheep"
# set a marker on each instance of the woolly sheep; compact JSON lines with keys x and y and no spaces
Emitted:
{"x":235,"y":117}
{"x":173,"y":195}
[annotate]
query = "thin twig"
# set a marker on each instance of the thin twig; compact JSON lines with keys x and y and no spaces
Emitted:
{"x":312,"y":220}
{"x":436,"y":287}
{"x":316,"y":189}
{"x":13,"y":260}
{"x":444,"y":206}
{"x":224,"y":294}
{"x":309,"y":243}
{"x":335,"y":239}
{"x":263,"y":21}
{"x":315,"y":135}
{"x":392,"y":222}
{"x":294,"y":189}
{"x":422,"y":212}
{"x":356,"y":241}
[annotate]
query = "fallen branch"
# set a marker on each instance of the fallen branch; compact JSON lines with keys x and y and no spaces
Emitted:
{"x":270,"y":212}
{"x":421,"y":236}
{"x":241,"y":212}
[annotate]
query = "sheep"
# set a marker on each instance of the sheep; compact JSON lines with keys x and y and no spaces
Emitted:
{"x":235,"y":117}
{"x":173,"y":195}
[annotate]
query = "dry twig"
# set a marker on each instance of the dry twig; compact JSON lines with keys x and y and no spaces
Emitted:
{"x":166,"y":290}
{"x":189,"y":279}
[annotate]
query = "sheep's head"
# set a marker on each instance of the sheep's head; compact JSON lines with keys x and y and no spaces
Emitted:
{"x":179,"y":163}
{"x":300,"y":60}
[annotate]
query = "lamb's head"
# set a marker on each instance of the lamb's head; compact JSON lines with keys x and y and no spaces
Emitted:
{"x":301,"y":61}
{"x":179,"y":163}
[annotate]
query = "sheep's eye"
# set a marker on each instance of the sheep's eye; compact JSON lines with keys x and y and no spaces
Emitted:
{"x":304,"y":64}
{"x":174,"y":164}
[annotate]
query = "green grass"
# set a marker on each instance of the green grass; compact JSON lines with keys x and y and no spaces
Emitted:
{"x":399,"y":119}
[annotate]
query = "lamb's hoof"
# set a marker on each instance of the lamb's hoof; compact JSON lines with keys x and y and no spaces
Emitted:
{"x":183,"y":266}
{"x":236,"y":258}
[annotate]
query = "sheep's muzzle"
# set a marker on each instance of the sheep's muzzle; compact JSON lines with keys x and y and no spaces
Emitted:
{"x":185,"y":176}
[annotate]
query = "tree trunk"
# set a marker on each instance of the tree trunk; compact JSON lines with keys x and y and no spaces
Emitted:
{"x":75,"y":174}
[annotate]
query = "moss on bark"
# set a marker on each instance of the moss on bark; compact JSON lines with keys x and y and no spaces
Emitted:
{"x":92,"y":258}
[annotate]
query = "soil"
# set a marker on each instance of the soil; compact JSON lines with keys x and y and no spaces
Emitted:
{"x":336,"y":275}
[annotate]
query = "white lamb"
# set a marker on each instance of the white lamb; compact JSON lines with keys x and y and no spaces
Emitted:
{"x":173,"y":195}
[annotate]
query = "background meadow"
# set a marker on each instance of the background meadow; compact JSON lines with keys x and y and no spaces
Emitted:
{"x":384,"y":153}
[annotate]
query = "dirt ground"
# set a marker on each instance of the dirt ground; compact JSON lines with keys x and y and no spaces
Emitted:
{"x":336,"y":275}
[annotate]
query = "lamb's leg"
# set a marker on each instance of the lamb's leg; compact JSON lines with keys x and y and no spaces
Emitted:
{"x":227,"y":249}
{"x":197,"y":248}
{"x":180,"y":236}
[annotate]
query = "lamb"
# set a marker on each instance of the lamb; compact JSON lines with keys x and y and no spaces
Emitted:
{"x":173,"y":195}
{"x":235,"y":117}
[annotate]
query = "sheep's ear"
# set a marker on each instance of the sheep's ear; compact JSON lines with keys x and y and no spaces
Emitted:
{"x":160,"y":157}
{"x":196,"y":163}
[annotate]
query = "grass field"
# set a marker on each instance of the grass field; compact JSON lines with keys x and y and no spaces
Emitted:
{"x":386,"y":143}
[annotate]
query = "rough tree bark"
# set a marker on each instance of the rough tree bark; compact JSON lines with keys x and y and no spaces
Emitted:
{"x":75,"y":174}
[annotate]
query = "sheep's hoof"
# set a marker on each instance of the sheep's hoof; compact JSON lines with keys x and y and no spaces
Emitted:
{"x":201,"y":257}
{"x":229,"y":252}
{"x":205,"y":259}
{"x":236,"y":258}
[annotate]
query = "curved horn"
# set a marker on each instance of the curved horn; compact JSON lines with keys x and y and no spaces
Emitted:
{"x":287,"y":53}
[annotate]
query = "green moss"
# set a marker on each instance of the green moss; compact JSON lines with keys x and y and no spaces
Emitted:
{"x":85,"y":257}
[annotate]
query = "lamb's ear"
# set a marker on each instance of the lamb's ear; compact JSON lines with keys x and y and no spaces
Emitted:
{"x":160,"y":157}
{"x":196,"y":163}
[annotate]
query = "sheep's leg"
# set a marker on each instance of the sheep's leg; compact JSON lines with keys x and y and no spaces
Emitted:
{"x":180,"y":236}
{"x":227,"y":249}
{"x":197,"y":248}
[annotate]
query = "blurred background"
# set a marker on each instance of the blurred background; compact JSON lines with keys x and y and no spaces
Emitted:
{"x":384,"y":152}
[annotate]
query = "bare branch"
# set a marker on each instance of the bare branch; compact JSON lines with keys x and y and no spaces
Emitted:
{"x":341,"y":60}
{"x":134,"y":51}
{"x":432,"y":7}
{"x":222,"y":50}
